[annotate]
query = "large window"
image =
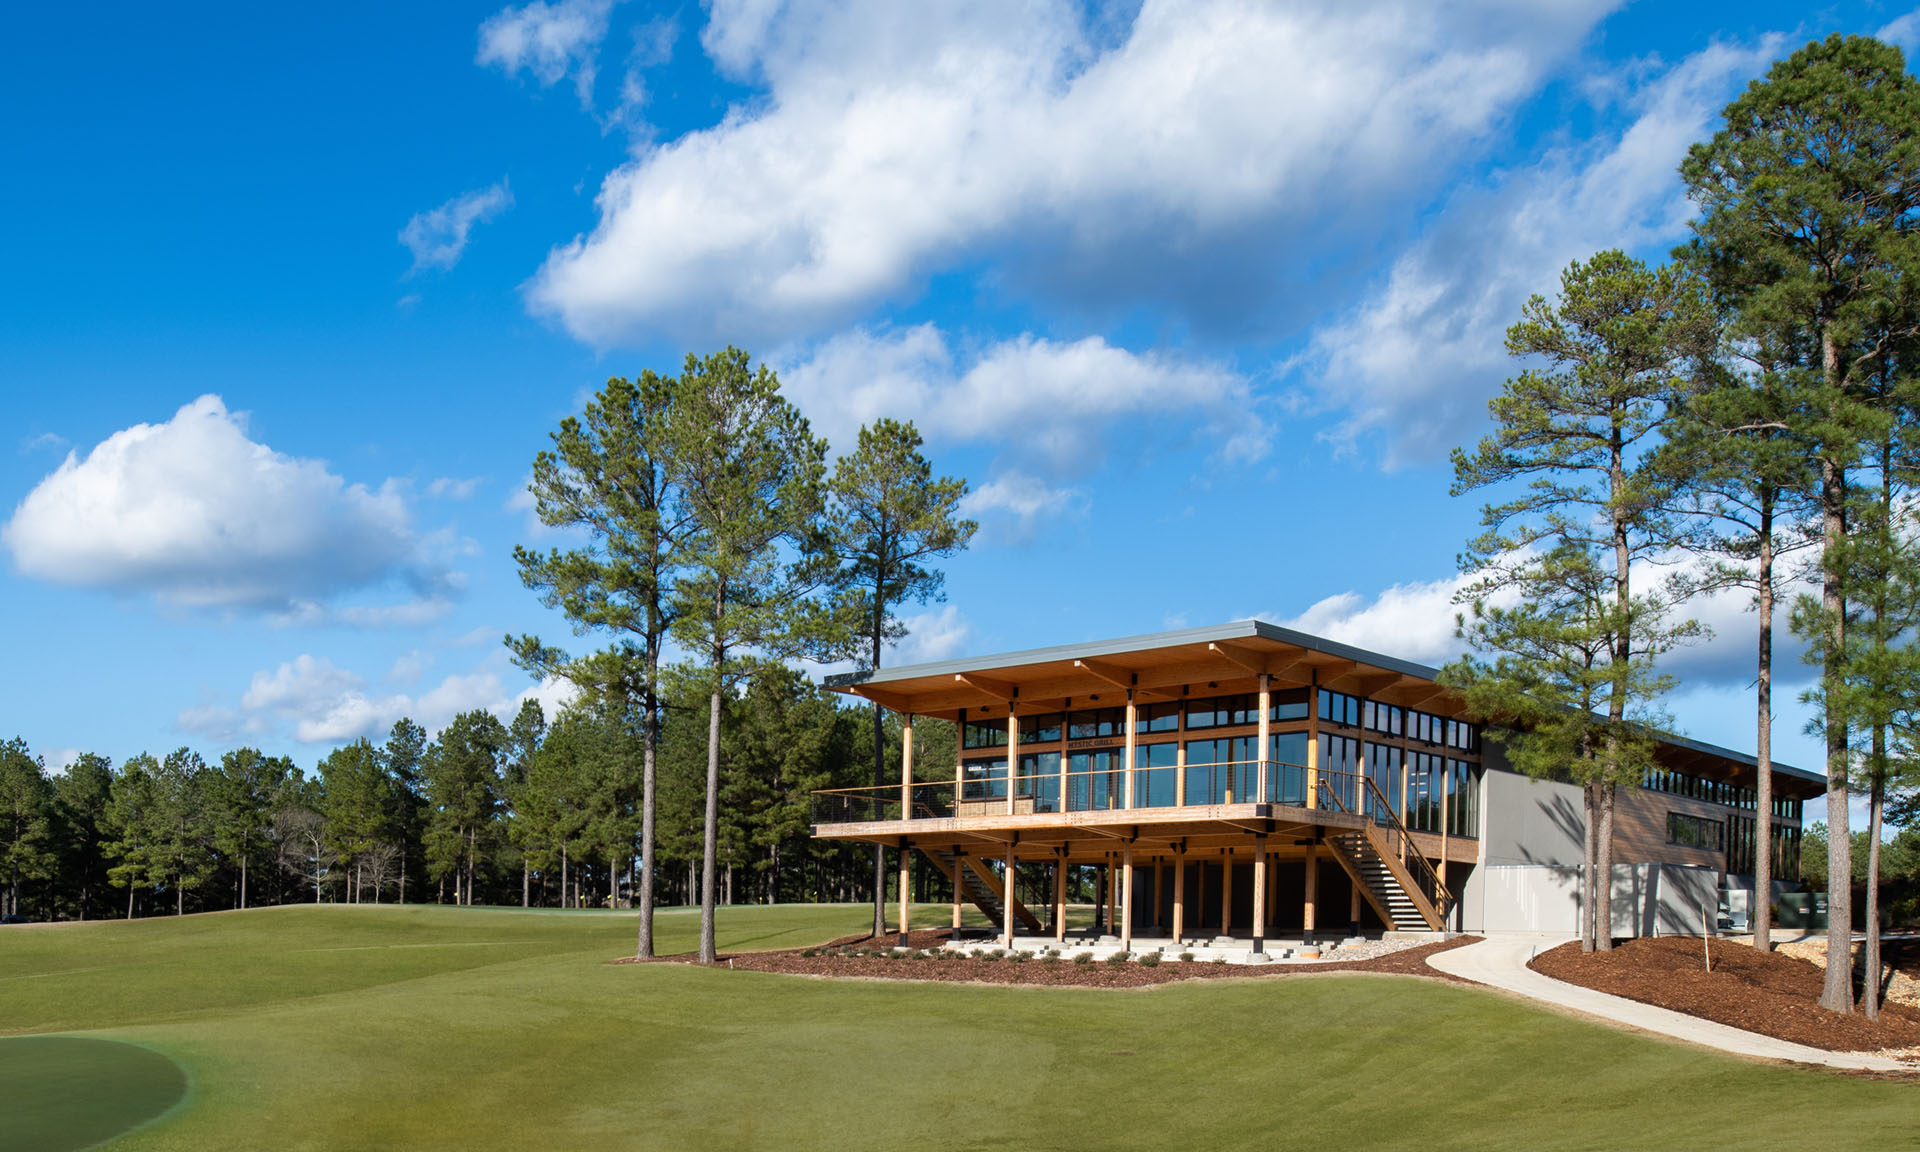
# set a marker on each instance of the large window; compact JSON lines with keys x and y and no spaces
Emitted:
{"x":1463,"y":801}
{"x":1040,"y":729}
{"x":1040,"y":779}
{"x":1387,"y":718}
{"x":1426,"y":779}
{"x":983,"y":778}
{"x":1339,"y":708}
{"x":985,"y":734}
{"x":1339,"y":769}
{"x":1157,"y":718}
{"x":1287,"y":775}
{"x":1383,"y":768}
{"x":1097,"y":724}
{"x":1154,"y":775}
{"x":1690,"y":831}
{"x":1222,"y":771}
{"x":1095,"y":781}
{"x":1288,"y":705}
{"x":1223,"y":711}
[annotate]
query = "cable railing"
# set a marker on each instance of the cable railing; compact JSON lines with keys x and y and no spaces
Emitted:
{"x":1095,"y":790}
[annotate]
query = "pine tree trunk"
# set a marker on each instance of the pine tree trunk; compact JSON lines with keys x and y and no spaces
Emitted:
{"x":878,"y":626}
{"x":526,"y":883}
{"x":1589,"y":892}
{"x":649,"y":744}
{"x":710,"y":834}
{"x":1876,"y":801}
{"x":1603,"y":869}
{"x":564,"y":868}
{"x":1761,"y":910}
{"x":1837,"y":994}
{"x":243,"y":884}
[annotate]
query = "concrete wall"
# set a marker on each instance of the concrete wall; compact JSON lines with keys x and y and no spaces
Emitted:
{"x":1527,"y":877}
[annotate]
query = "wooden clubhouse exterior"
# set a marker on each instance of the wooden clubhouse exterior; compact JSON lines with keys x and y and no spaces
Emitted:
{"x":1296,"y":783}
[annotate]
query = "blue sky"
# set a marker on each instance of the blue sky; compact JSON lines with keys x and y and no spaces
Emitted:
{"x":1197,"y":296}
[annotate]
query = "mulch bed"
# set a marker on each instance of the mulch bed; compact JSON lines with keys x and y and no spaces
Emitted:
{"x":1768,"y":993}
{"x":1061,"y":973}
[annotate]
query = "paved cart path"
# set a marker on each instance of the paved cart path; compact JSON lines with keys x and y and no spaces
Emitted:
{"x":1501,"y":962}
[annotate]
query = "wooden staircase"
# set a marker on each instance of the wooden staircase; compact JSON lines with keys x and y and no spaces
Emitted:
{"x":981,"y":887}
{"x":1393,"y":900}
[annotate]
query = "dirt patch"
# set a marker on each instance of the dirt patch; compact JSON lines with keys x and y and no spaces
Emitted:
{"x":841,"y":958}
{"x":1772,"y":994}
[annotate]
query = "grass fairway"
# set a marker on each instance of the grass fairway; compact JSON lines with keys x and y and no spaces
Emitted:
{"x":347,"y":1028}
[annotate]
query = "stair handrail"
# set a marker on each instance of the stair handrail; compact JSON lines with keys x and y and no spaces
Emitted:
{"x":1424,"y":873}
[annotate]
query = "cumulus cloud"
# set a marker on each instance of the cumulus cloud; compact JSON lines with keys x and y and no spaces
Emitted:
{"x":937,"y":634}
{"x":548,"y":41}
{"x":196,"y":514}
{"x":1904,"y":31}
{"x":1198,"y":157}
{"x":438,"y":237}
{"x":318,"y":702}
{"x":1054,"y":402}
{"x":1415,"y":621}
{"x":1418,"y":360}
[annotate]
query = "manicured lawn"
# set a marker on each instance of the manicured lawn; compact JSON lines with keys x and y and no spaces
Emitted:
{"x":338,"y":1028}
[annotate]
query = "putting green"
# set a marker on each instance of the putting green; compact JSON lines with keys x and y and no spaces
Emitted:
{"x":69,"y":1092}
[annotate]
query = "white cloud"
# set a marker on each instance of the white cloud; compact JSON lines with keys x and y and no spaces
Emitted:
{"x":1201,"y":158}
{"x":450,"y":488}
{"x":1414,"y":621}
{"x":321,"y":703}
{"x":1026,"y":500}
{"x":548,"y":40}
{"x":438,"y":237}
{"x":937,"y":634}
{"x":196,"y":514}
{"x":1419,"y":359}
{"x":1050,"y":403}
{"x":1904,"y":31}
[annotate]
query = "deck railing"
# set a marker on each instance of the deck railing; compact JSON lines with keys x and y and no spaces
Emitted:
{"x":1101,"y":790}
{"x":1352,"y":793}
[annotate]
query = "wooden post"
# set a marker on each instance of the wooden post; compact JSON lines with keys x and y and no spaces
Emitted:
{"x":1313,"y":748}
{"x":1113,"y":897}
{"x":1006,"y":931}
{"x":906,"y":766}
{"x":1126,"y":900}
{"x":906,"y":859}
{"x":1131,"y":741}
{"x":1266,"y":726}
{"x":1013,"y":763}
{"x":1353,"y":909}
{"x":1180,"y":896}
{"x":1060,"y":899}
{"x":1446,"y":796}
{"x":959,"y":863}
{"x":1313,"y":891}
{"x":1259,"y":892}
{"x":1226,"y":893}
{"x":1273,"y":896}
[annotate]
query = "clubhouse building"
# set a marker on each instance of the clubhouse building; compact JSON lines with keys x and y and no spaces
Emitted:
{"x":1250,"y":782}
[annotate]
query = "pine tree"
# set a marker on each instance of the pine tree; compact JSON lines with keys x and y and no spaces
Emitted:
{"x":1615,"y":350}
{"x":26,"y":819}
{"x":1809,"y":199}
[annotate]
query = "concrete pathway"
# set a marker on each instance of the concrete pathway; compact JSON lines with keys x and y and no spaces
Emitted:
{"x":1501,"y":962}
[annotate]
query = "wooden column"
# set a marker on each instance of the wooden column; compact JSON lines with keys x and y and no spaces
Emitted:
{"x":1060,"y":899}
{"x":1313,"y":747}
{"x":1113,"y":897}
{"x":1446,"y":797}
{"x":1180,"y":773}
{"x":906,"y":858}
{"x":1266,"y":726}
{"x":1126,"y":900}
{"x":1273,"y":896}
{"x":1131,"y":741}
{"x":906,"y":766}
{"x":1180,"y":896}
{"x":1226,"y":893}
{"x":1006,"y":929}
{"x":1313,"y":891}
{"x":1353,"y":904}
{"x":1013,"y":761}
{"x":959,"y":886}
{"x":1259,"y":892}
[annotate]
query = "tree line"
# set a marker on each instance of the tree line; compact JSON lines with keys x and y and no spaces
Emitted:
{"x":537,"y":812}
{"x":1741,"y":417}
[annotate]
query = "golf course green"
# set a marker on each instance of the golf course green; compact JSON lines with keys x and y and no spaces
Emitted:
{"x":420,"y":1027}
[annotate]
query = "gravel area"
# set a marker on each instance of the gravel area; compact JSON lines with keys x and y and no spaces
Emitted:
{"x":859,"y":957}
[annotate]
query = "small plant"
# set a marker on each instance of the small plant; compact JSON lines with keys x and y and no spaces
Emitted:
{"x":1050,"y":957}
{"x":808,"y":954}
{"x":990,"y":956}
{"x":1083,"y":958}
{"x":1118,"y":958}
{"x":1019,"y":957}
{"x":1186,"y":957}
{"x":1150,"y":960}
{"x":1219,"y":959}
{"x":979,"y":953}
